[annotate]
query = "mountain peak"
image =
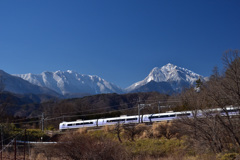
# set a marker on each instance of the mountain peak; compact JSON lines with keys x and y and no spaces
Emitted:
{"x":167,"y":68}
{"x":170,"y":73}
{"x":170,"y":65}
{"x":70,"y":71}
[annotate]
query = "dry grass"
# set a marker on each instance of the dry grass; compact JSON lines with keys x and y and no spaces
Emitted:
{"x":108,"y":128}
{"x":158,"y":128}
{"x":82,"y":130}
{"x":151,"y":143}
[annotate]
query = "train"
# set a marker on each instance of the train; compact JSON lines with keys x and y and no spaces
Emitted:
{"x":146,"y":118}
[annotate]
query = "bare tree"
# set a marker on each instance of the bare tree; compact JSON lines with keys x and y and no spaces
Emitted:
{"x":229,"y":87}
{"x":231,"y":81}
{"x":118,"y":130}
{"x":132,"y":129}
{"x":216,"y":131}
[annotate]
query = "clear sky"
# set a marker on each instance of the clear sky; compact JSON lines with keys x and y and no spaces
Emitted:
{"x":119,"y":40}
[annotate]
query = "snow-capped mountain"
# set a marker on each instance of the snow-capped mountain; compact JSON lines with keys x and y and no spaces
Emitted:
{"x":18,"y":85}
{"x":70,"y":82}
{"x":167,"y":79}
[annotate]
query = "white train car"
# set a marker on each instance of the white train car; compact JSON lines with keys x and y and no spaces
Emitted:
{"x":77,"y":124}
{"x":122,"y":120}
{"x":148,"y":118}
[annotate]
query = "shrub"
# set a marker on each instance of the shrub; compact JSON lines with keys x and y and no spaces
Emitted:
{"x":132,"y":130}
{"x":229,"y":156}
{"x":164,"y":129}
{"x":156,"y":147}
{"x":36,"y":134}
{"x":84,"y":146}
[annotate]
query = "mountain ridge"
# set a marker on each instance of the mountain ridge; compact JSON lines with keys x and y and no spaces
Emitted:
{"x":168,"y":79}
{"x":70,"y":82}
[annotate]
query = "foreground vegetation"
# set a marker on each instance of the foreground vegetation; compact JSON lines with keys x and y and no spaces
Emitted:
{"x":163,"y":141}
{"x":158,"y":141}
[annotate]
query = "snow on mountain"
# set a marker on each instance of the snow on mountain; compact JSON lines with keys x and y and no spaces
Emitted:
{"x":167,"y":79}
{"x":70,"y":82}
{"x":18,"y":85}
{"x":175,"y":76}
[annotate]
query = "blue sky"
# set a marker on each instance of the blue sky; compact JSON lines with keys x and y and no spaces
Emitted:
{"x":120,"y":41}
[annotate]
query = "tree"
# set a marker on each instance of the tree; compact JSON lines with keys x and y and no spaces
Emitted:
{"x":199,"y":83}
{"x":215,"y":74}
{"x":118,"y":130}
{"x":214,"y":130}
{"x":231,"y":81}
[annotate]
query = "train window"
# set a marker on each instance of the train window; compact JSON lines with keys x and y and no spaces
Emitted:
{"x":183,"y":114}
{"x":131,"y":119}
{"x":88,"y":123}
{"x":84,"y":123}
{"x":165,"y":116}
{"x":116,"y":120}
{"x":69,"y":124}
{"x":152,"y":117}
{"x":232,"y":110}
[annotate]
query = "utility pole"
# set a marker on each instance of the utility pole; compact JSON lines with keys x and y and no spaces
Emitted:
{"x":159,"y":107}
{"x":140,"y":107}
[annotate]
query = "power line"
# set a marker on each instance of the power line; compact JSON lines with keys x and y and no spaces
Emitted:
{"x":69,"y":116}
{"x":27,"y":118}
{"x":11,"y":136}
{"x":26,"y":122}
{"x":90,"y":114}
{"x":66,"y":115}
{"x":110,"y":107}
{"x":73,"y":112}
{"x":15,"y":136}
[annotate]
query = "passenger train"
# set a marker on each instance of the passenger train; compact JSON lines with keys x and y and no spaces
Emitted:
{"x":147,"y":118}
